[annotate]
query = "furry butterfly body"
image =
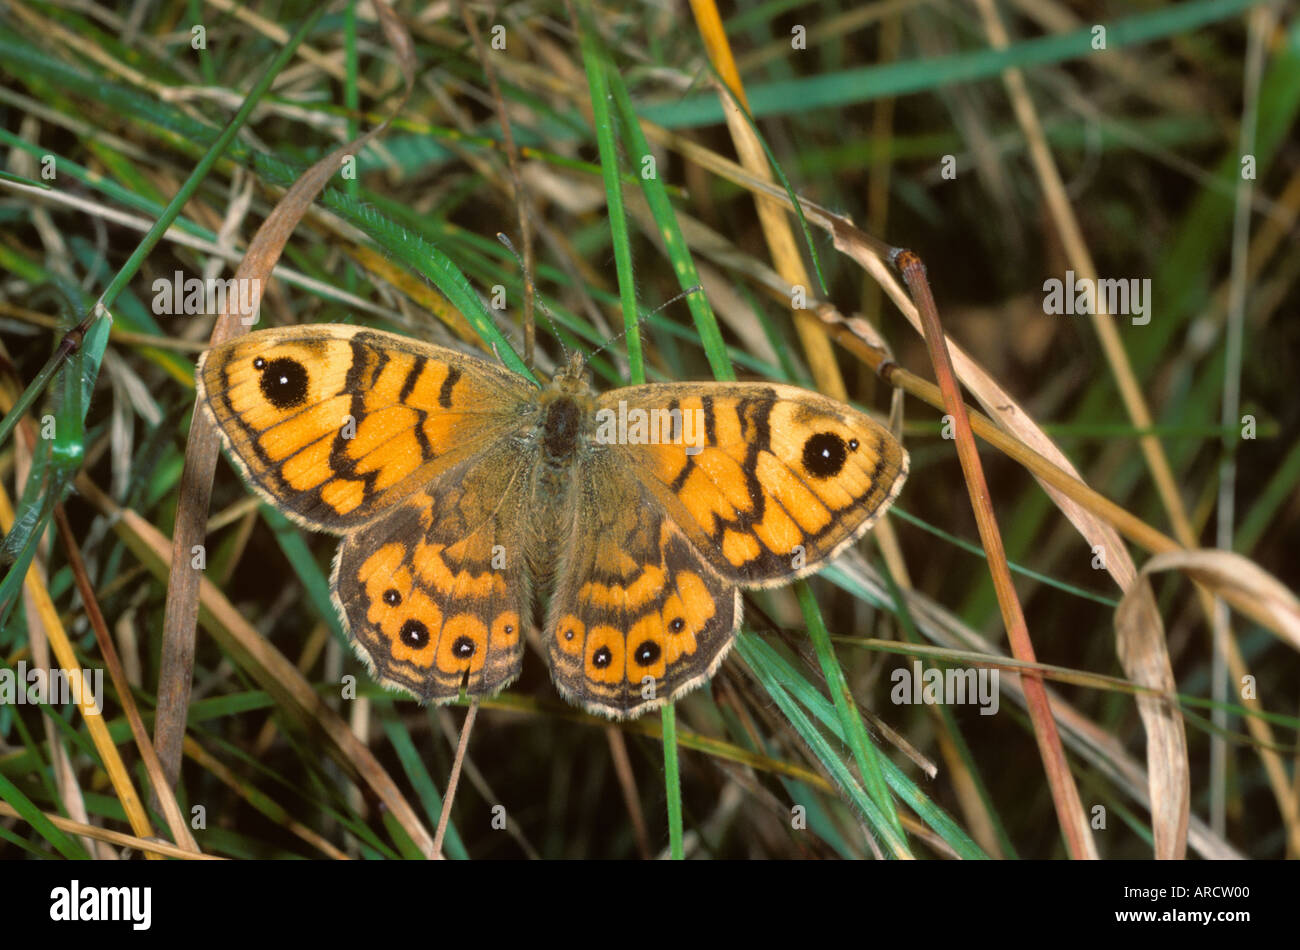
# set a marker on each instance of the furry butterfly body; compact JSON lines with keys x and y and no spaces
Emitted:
{"x":466,"y":495}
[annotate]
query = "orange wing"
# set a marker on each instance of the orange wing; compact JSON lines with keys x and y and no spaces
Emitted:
{"x":767,"y":481}
{"x":436,"y":593}
{"x":638,"y":617}
{"x":336,"y":424}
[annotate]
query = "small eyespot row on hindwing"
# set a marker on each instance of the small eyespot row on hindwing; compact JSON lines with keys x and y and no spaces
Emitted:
{"x":647,"y":621}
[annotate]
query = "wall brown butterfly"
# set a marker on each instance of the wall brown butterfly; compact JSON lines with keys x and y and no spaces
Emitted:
{"x":464,"y":493}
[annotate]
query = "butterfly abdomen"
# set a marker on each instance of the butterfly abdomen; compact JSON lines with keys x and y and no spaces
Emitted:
{"x":561,"y":440}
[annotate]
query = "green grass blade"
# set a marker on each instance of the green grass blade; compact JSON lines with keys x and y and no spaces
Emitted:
{"x":864,"y":751}
{"x":66,"y":846}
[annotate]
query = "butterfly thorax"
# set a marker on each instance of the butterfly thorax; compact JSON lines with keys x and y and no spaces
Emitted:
{"x":567,"y":420}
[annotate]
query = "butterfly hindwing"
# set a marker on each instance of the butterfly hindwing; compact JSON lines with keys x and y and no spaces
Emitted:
{"x":768,"y":481}
{"x":638,"y":617}
{"x":333,"y":424}
{"x":436,"y":594}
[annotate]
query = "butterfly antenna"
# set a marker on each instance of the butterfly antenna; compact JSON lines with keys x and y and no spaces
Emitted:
{"x":645,"y":316}
{"x":529,"y":286}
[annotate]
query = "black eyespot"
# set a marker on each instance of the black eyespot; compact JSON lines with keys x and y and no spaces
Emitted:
{"x":824,"y":454}
{"x":392,"y":598}
{"x":463,"y":648}
{"x":853,"y":445}
{"x":284,"y":381}
{"x":259,"y":363}
{"x":508,"y":629}
{"x":414,"y":634}
{"x":602,"y":658}
{"x":647,"y":653}
{"x":568,"y":634}
{"x":677,"y":625}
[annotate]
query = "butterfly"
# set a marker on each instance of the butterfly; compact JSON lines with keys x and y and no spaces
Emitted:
{"x":467,"y":496}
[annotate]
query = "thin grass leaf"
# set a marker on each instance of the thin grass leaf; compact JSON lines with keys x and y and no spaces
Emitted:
{"x":68,"y":847}
{"x":864,"y":752}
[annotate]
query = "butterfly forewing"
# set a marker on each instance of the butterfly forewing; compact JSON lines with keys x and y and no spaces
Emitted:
{"x":334,"y":424}
{"x":767,"y":481}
